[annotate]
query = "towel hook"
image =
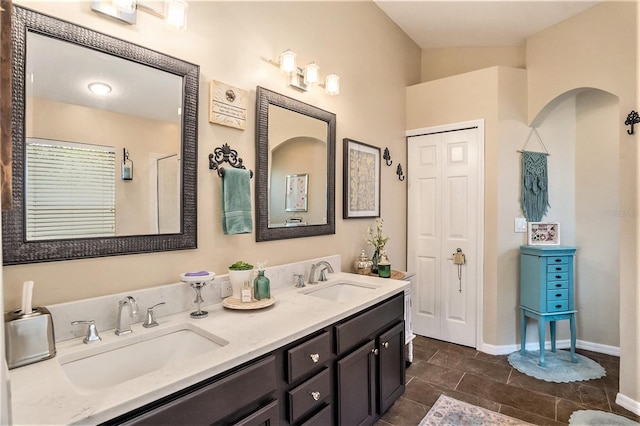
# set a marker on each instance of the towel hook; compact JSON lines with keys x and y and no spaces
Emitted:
{"x":387,"y":157}
{"x":225,"y":154}
{"x":632,"y":118}
{"x":400,"y":173}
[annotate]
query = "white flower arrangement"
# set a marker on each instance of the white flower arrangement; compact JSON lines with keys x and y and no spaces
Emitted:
{"x":377,"y":240}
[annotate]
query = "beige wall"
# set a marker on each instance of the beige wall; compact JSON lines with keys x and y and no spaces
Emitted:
{"x":228,"y":40}
{"x":446,"y":62}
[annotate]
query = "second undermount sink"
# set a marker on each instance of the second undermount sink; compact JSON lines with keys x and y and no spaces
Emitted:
{"x":341,"y":291}
{"x":103,"y":365}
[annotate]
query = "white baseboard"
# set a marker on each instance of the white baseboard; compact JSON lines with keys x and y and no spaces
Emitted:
{"x":628,"y":403}
{"x":560,"y":344}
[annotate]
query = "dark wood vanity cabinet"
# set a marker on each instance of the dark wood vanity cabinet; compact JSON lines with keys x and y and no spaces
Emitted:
{"x":348,"y":373}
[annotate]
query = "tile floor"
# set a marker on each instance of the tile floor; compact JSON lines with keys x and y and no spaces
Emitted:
{"x":490,"y":382}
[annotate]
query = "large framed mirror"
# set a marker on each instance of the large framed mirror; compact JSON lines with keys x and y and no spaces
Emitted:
{"x":295,"y":168}
{"x":98,"y":174}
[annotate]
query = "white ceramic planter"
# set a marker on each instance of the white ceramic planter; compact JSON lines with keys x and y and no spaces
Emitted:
{"x":237,"y":280}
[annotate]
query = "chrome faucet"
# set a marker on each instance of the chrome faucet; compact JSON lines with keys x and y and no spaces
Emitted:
{"x":124,"y":326}
{"x":326,"y":266}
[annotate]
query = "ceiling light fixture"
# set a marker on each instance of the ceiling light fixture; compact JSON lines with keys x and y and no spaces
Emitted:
{"x":304,"y":78}
{"x":99,"y":88}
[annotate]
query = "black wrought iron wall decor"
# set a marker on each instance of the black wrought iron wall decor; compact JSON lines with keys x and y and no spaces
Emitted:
{"x":387,"y":157}
{"x":632,"y":118}
{"x":400,"y":173}
{"x":225,"y":154}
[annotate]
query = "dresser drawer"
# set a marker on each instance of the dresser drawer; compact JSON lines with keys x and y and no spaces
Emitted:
{"x":321,"y":418}
{"x":557,"y":305}
{"x":309,"y":395}
{"x":557,"y":285}
{"x":557,"y":295}
{"x":558,"y":276}
{"x":558,"y":260}
{"x":562,"y":267}
{"x":308,"y":356}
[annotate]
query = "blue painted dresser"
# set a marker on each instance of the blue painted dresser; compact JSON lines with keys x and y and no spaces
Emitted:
{"x":546,"y":292}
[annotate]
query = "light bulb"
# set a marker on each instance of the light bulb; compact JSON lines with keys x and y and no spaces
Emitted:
{"x":332,"y":84}
{"x":175,"y":14}
{"x":287,"y":61}
{"x":100,"y":88}
{"x":311,"y":73}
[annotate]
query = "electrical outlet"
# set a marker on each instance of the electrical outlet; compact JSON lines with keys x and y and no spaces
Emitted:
{"x":225,"y":288}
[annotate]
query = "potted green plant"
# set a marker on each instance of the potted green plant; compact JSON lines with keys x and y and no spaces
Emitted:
{"x":239,"y":273}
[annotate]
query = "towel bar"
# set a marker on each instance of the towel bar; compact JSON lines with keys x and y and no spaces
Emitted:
{"x":225,"y":154}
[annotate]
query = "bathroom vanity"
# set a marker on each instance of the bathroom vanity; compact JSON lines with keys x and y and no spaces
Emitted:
{"x":326,"y":354}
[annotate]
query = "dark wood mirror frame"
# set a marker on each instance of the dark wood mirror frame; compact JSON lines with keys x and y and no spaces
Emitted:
{"x":265,"y":98}
{"x":16,"y":249}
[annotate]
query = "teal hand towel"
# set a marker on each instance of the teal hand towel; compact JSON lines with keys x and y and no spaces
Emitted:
{"x":236,"y":201}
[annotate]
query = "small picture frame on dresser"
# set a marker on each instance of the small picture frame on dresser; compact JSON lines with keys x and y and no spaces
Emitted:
{"x":543,"y":234}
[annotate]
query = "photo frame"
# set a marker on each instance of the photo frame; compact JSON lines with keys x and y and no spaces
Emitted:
{"x":543,"y":233}
{"x":296,"y":197}
{"x":361,"y":180}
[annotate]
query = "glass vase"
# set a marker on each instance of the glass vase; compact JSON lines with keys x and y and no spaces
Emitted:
{"x":375,"y":260}
{"x":261,"y":287}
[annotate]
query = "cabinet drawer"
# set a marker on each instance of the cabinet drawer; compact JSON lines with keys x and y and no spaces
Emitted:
{"x":562,"y":267}
{"x":558,"y":260}
{"x":557,"y":295}
{"x":308,"y":356}
{"x":557,"y":305}
{"x":322,"y":418}
{"x":363,"y":327}
{"x":558,"y":276}
{"x":557,"y":284}
{"x":309,"y":395}
{"x":267,"y":415}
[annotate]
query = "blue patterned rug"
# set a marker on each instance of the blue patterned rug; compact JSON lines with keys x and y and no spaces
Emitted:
{"x":598,"y":418}
{"x":451,"y":412}
{"x":558,"y":366}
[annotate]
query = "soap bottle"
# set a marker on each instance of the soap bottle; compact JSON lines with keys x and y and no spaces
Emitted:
{"x":384,"y":266}
{"x":261,"y":285}
{"x":246,"y":293}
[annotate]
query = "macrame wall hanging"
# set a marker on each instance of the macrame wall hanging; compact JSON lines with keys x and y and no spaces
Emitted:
{"x":535,"y":181}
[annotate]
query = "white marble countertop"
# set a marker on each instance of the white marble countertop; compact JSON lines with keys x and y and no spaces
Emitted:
{"x":41,"y":393}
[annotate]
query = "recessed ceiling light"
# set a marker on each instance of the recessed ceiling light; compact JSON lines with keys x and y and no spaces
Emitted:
{"x":100,"y":88}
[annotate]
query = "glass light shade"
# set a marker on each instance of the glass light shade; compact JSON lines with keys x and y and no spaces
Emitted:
{"x":100,"y":88}
{"x":125,"y":6}
{"x":175,"y":14}
{"x":311,"y":73}
{"x":287,"y":61}
{"x":332,"y":84}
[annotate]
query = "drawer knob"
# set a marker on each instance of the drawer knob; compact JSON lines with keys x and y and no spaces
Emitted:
{"x":558,"y":276}
{"x":375,"y":351}
{"x":315,"y":358}
{"x":558,"y":285}
{"x":558,"y":306}
{"x":315,"y":395}
{"x":385,"y":345}
{"x":558,"y":260}
{"x":558,"y":269}
{"x":558,"y":294}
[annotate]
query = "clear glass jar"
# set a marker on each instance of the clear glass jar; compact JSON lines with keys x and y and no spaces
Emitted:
{"x":363,"y":264}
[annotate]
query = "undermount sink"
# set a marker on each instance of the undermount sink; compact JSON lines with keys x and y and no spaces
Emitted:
{"x":102,"y":365}
{"x":341,"y":291}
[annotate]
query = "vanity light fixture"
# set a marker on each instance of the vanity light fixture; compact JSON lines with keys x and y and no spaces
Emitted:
{"x":174,"y":13}
{"x":99,"y":88}
{"x":304,"y":78}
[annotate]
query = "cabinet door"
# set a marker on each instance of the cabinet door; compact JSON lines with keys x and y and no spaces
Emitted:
{"x":391,"y":370}
{"x":266,"y":416}
{"x":357,"y":386}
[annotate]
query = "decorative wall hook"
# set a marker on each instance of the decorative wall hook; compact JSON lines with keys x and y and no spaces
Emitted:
{"x":632,"y":118}
{"x":225,"y":154}
{"x":400,"y":173}
{"x":387,"y":157}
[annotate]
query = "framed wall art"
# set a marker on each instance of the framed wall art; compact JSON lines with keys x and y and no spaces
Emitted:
{"x":296,"y":196}
{"x":543,"y":233}
{"x":361,"y":180}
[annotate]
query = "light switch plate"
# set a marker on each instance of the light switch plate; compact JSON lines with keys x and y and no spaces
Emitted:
{"x":520,"y":225}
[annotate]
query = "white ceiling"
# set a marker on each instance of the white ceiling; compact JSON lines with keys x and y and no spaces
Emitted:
{"x":475,"y":23}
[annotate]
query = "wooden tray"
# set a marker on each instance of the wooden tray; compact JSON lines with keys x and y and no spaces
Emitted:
{"x":232,"y":303}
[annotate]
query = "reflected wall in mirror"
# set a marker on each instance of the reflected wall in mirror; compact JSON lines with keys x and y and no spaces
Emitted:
{"x":150,"y":113}
{"x":293,"y":139}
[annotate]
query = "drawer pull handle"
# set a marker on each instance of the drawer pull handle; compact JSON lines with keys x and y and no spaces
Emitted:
{"x":385,"y":345}
{"x":558,"y":285}
{"x":558,"y":294}
{"x":315,"y":395}
{"x":374,"y":351}
{"x":558,"y":306}
{"x":558,"y":268}
{"x":558,"y":260}
{"x":315,"y":358}
{"x":558,"y":276}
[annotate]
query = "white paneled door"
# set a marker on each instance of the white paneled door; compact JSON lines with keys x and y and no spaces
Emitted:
{"x":444,"y":213}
